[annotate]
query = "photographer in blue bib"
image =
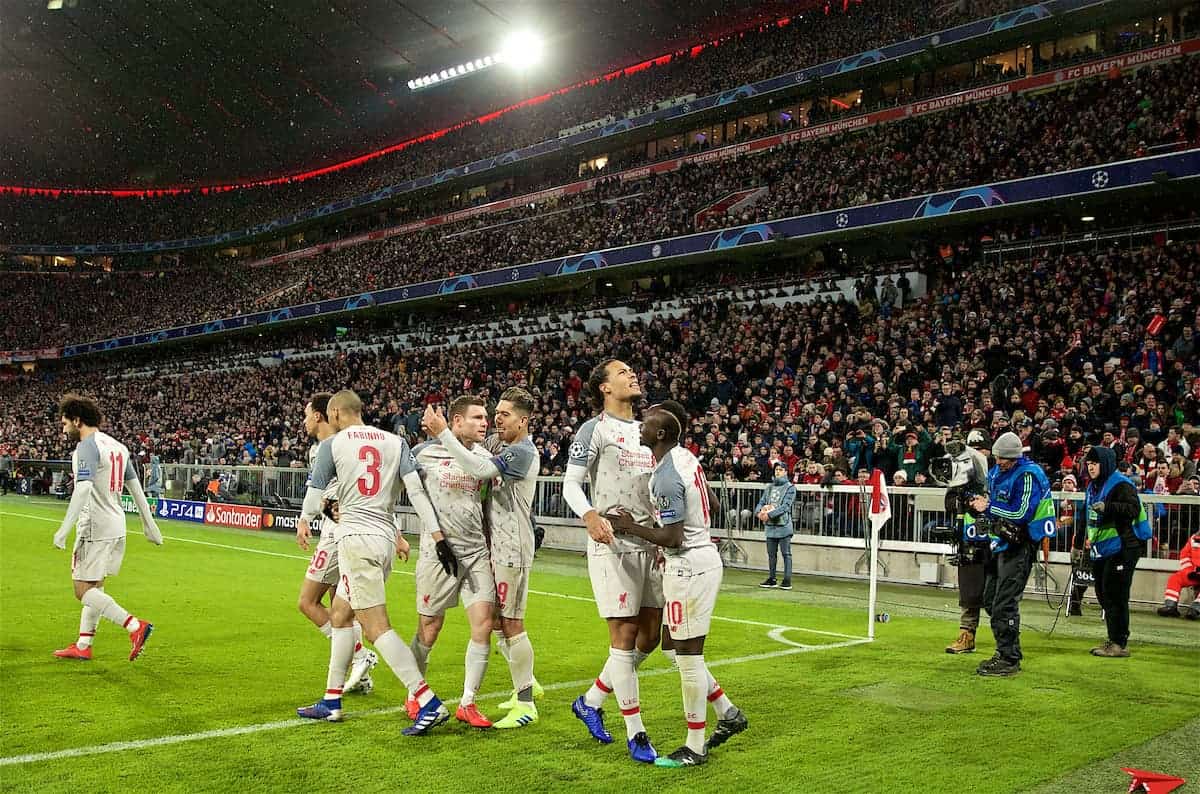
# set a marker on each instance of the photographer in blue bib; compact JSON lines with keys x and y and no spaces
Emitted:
{"x":1117,"y":531}
{"x":1016,"y":514}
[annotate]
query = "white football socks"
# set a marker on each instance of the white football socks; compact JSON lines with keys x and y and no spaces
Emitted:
{"x":599,"y":691}
{"x":503,"y":644}
{"x":89,"y":618}
{"x":520,"y":665}
{"x":476,"y":663}
{"x":721,"y":703}
{"x":109,"y":609}
{"x":327,"y":630}
{"x":400,"y":658}
{"x":693,"y":675}
{"x":625,"y":685}
{"x":341,"y":649}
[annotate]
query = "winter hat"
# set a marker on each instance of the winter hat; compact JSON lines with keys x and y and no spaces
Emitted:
{"x":1007,"y":446}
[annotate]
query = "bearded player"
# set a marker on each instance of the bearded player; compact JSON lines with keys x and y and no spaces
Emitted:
{"x":627,"y":584}
{"x":512,"y":471}
{"x":102,"y":469}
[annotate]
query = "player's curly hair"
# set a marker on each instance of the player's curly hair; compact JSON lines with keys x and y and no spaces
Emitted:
{"x":521,"y":399}
{"x":75,"y":406}
{"x":597,"y":378}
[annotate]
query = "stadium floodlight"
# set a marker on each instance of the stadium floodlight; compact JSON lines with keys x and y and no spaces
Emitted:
{"x":445,"y":74}
{"x":1088,"y":218}
{"x":522,"y":49}
{"x":478,"y":63}
{"x":470,"y":66}
{"x":487,"y":60}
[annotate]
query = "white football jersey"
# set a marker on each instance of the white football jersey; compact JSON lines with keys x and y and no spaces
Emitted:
{"x":369,"y":465}
{"x":681,"y":494}
{"x":455,"y":495}
{"x":510,"y":504}
{"x":619,"y":469}
{"x":104,"y":462}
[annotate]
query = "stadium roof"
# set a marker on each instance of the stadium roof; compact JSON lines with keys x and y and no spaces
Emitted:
{"x":158,"y":93}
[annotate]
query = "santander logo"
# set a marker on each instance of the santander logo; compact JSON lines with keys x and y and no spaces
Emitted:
{"x":239,"y":516}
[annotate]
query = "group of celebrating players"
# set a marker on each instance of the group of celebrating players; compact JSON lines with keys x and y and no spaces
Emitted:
{"x":655,"y":573}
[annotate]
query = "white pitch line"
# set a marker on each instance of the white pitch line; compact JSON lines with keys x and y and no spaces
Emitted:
{"x":776,"y":634}
{"x":221,"y":733}
{"x":547,"y":593}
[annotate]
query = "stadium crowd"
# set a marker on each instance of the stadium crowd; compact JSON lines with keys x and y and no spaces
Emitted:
{"x":1081,"y":124}
{"x":751,"y":56}
{"x":1068,"y":350}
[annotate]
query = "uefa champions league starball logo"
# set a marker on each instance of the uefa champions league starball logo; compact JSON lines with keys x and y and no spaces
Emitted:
{"x":1100,"y":179}
{"x":842,"y":220}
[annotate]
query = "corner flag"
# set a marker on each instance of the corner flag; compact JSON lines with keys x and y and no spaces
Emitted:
{"x":881,"y":506}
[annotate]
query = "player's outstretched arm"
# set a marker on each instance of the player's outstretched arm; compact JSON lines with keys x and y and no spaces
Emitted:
{"x":149,"y":526}
{"x":669,"y":536}
{"x":478,"y":467}
{"x":83,"y":492}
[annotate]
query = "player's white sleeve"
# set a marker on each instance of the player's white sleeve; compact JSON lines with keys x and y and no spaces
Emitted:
{"x":420,"y":501}
{"x":149,"y":527}
{"x":573,"y":490}
{"x":479,"y":467}
{"x":83,"y":493}
{"x":313,"y":498}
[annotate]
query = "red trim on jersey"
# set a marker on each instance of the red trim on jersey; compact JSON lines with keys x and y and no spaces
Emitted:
{"x":696,"y":726}
{"x":714,"y":695}
{"x":630,"y":712}
{"x":600,"y":685}
{"x":125,"y":625}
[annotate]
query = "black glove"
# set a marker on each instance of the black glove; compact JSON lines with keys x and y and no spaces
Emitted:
{"x":446,"y":557}
{"x":539,"y":535}
{"x":1098,"y":507}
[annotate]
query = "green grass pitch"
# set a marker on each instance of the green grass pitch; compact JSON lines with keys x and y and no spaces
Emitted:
{"x":210,"y":706}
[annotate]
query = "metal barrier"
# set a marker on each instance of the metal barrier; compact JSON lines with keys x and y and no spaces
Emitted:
{"x":821,"y":516}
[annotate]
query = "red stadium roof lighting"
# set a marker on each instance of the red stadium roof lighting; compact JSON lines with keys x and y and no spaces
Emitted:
{"x":487,"y":61}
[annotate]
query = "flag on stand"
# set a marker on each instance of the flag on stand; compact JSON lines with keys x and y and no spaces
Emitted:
{"x":881,"y":506}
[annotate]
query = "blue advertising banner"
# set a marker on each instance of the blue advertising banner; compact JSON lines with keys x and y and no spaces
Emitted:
{"x":1077,"y":183}
{"x":956,"y":35}
{"x":180,"y":510}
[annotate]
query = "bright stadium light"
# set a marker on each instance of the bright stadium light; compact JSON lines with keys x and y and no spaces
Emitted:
{"x":522,"y":49}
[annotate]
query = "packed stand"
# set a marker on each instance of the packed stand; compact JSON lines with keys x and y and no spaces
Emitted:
{"x":752,"y":56}
{"x":1082,"y":124}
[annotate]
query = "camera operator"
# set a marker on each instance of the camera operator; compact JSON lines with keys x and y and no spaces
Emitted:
{"x":1117,"y":531}
{"x":1018,"y":513}
{"x":967,"y":478}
